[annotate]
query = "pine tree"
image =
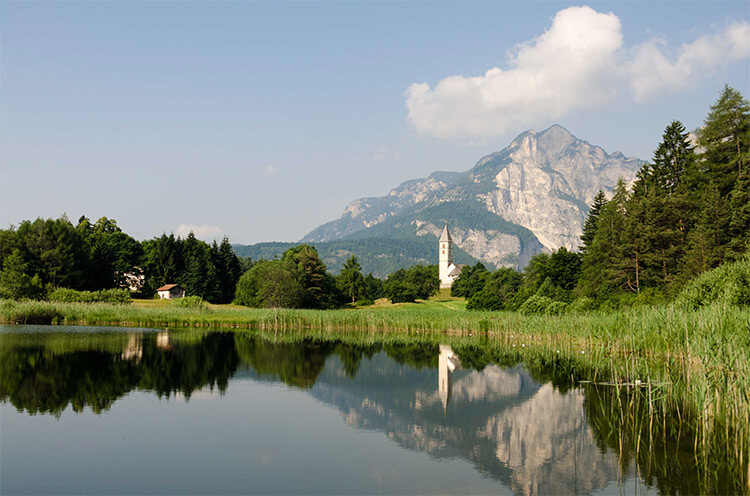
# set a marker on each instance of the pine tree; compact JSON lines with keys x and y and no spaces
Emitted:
{"x":230,"y":270}
{"x":589,"y":227}
{"x":725,"y":139}
{"x":673,"y":157}
{"x":351,"y":280}
{"x":739,"y":224}
{"x":15,"y":282}
{"x":658,"y":217}
{"x":603,"y":269}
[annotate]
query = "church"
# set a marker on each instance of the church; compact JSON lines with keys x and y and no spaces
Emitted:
{"x":448,"y":271}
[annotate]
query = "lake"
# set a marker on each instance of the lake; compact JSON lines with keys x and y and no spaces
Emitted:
{"x":90,"y":410}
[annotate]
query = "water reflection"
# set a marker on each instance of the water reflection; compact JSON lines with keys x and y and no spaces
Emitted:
{"x":525,"y":426}
{"x":447,"y":363}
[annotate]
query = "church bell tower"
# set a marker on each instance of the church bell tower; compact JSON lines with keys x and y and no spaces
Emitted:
{"x":445,"y":258}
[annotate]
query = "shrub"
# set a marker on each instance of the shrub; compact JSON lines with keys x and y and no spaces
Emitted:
{"x":270,"y":284}
{"x":535,"y":305}
{"x":484,"y":300}
{"x":557,"y":308}
{"x":364,"y":303}
{"x":727,"y":284}
{"x":188,"y":302}
{"x":582,"y":305}
{"x":416,"y":282}
{"x":66,"y":295}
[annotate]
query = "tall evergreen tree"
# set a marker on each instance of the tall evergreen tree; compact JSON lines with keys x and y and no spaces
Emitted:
{"x":589,"y":226}
{"x":672,"y":159}
{"x":658,"y":212}
{"x":604,"y":269}
{"x":351,"y":281}
{"x":15,"y":282}
{"x":230,"y":270}
{"x":725,"y":139}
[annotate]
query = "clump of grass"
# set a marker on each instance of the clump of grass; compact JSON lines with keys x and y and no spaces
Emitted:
{"x":195,"y":302}
{"x":29,"y":312}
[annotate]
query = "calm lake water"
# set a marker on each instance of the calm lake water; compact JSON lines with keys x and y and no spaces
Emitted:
{"x":89,"y":410}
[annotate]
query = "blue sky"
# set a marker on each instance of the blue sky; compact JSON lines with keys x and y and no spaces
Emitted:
{"x":262,"y":120}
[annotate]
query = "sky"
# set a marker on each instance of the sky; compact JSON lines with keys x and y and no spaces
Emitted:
{"x":262,"y":120}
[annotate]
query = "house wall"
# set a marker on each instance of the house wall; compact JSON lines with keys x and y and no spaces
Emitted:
{"x":177,"y":293}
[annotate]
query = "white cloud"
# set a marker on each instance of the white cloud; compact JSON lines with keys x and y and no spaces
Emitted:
{"x":270,"y":170}
{"x":578,"y":62}
{"x":650,"y":71}
{"x":204,"y":232}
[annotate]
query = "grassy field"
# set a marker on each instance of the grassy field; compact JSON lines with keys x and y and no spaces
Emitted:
{"x":698,"y":361}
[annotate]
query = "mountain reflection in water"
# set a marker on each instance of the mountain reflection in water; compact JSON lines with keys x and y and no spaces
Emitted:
{"x":526,"y":430}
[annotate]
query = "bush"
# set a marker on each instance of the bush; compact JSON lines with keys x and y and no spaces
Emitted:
{"x":416,"y":282}
{"x":364,"y":303}
{"x":484,"y":300}
{"x":270,"y":284}
{"x":188,"y":302}
{"x":541,"y":305}
{"x":727,"y":284}
{"x":557,"y":308}
{"x":582,"y":305}
{"x":66,"y":295}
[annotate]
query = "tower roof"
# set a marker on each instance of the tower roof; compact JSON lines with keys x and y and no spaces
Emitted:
{"x":446,"y":236}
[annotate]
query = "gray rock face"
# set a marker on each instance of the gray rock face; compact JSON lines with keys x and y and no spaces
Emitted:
{"x":543,"y":182}
{"x":489,"y":245}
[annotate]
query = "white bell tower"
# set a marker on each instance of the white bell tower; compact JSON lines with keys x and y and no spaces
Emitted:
{"x":445,"y":258}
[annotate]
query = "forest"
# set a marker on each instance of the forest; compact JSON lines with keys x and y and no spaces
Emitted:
{"x":41,"y":256}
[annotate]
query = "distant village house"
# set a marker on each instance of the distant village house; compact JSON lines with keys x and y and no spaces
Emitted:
{"x":169,"y":291}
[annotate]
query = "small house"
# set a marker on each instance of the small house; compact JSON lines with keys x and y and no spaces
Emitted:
{"x":169,"y":291}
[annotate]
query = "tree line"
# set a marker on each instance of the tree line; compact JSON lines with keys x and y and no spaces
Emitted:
{"x":299,"y":279}
{"x":38,"y":256}
{"x":54,"y":259}
{"x":688,"y":211}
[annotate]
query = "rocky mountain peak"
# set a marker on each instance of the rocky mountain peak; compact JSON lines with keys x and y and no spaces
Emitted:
{"x":541,"y":183}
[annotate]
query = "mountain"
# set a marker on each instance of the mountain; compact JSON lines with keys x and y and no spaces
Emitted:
{"x":532,"y":196}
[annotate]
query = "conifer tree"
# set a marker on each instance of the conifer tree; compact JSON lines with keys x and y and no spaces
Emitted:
{"x":351,"y":280}
{"x":15,"y":282}
{"x":589,"y":227}
{"x":725,"y":139}
{"x":658,"y":214}
{"x":230,"y":270}
{"x":603,"y":263}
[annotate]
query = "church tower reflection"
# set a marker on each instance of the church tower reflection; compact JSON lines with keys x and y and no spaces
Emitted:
{"x":447,"y":363}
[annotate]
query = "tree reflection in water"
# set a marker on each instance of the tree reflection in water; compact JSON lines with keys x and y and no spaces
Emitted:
{"x":532,"y":426}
